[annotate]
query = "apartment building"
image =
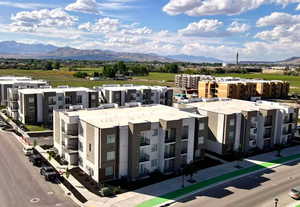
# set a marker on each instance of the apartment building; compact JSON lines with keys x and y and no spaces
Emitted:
{"x":7,"y":82}
{"x":238,"y":125}
{"x":131,"y":93}
{"x":187,"y":81}
{"x":35,"y":106}
{"x":245,"y":89}
{"x":129,"y":142}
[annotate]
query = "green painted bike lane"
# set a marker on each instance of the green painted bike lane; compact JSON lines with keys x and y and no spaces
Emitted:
{"x":192,"y":188}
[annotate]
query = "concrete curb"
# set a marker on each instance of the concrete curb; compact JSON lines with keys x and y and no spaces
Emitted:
{"x":172,"y":202}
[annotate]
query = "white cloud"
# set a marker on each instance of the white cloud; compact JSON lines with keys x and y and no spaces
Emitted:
{"x":84,"y":6}
{"x":202,"y":28}
{"x":32,"y":20}
{"x":298,"y":7}
{"x":27,"y":5}
{"x":215,"y":7}
{"x":94,"y":7}
{"x":278,"y":18}
{"x":104,"y":25}
{"x":236,"y":27}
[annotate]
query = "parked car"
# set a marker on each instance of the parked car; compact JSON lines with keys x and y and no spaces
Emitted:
{"x":295,"y":192}
{"x":28,"y":150}
{"x":36,"y":159}
{"x":49,"y":173}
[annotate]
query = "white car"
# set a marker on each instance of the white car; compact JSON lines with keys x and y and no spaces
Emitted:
{"x":295,"y":193}
{"x":28,"y":150}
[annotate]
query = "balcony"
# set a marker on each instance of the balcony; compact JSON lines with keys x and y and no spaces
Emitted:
{"x":267,"y":136}
{"x":268,"y":123}
{"x":170,"y":139}
{"x":184,"y":150}
{"x":144,"y":141}
{"x":144,"y":157}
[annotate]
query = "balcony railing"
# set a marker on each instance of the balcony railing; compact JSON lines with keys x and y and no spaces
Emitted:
{"x":144,"y":158}
{"x":268,"y":123}
{"x":184,"y":150}
{"x":170,"y":139}
{"x":169,"y":155}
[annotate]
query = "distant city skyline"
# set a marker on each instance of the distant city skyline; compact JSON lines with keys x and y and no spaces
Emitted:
{"x":259,"y":30}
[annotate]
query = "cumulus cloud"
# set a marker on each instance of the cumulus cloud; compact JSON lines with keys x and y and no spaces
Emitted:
{"x":32,"y":20}
{"x":215,"y":7}
{"x":278,"y":18}
{"x":84,"y":6}
{"x":103,"y":25}
{"x":236,"y":27}
{"x":202,"y":28}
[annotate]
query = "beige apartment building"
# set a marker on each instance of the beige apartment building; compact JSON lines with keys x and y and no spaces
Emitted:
{"x":238,"y":125}
{"x":242,"y":88}
{"x":187,"y":81}
{"x":129,"y":142}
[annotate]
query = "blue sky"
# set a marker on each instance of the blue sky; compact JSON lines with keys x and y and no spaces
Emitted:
{"x":258,"y":29}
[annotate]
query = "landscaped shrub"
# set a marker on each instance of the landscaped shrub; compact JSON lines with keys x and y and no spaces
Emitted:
{"x":106,"y":192}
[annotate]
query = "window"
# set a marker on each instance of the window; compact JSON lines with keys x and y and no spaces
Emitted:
{"x":154,"y":148}
{"x":109,"y":171}
{"x":80,"y":162}
{"x":80,"y":146}
{"x":90,"y":147}
{"x":201,"y":126}
{"x":201,"y":140}
{"x":31,"y":100}
{"x":50,"y":109}
{"x":60,"y":107}
{"x":60,"y":98}
{"x":67,"y":100}
{"x":93,"y":97}
{"x":51,"y":100}
{"x":155,"y":132}
{"x":79,"y":99}
{"x":185,"y":132}
{"x":154,"y":163}
{"x":110,"y":139}
{"x":80,"y":129}
{"x":231,"y":122}
{"x":110,"y":155}
{"x":231,"y":135}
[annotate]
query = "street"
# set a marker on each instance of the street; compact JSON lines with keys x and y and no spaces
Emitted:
{"x":21,"y":184}
{"x":259,"y":189}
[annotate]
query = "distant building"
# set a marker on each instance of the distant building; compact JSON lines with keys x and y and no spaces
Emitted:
{"x":122,"y":94}
{"x":35,"y":106}
{"x":245,"y":89}
{"x":129,"y":142}
{"x":187,"y":81}
{"x":237,"y":125}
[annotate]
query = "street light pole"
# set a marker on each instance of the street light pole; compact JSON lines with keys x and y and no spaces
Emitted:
{"x":276,"y":202}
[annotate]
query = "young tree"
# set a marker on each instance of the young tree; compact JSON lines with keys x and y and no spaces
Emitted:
{"x":189,"y":170}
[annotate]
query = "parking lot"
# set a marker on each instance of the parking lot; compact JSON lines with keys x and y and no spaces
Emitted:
{"x":21,"y":182}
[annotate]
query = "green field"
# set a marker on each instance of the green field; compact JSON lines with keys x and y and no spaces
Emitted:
{"x":35,"y":128}
{"x":62,"y":77}
{"x":56,"y":78}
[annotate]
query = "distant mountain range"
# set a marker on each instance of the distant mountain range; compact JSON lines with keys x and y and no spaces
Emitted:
{"x":12,"y":49}
{"x":195,"y":59}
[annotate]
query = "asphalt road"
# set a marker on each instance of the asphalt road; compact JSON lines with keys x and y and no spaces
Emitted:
{"x":21,"y":184}
{"x":257,"y":190}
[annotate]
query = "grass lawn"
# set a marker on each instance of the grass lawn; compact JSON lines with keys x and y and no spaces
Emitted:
{"x":168,"y":77}
{"x":35,"y":128}
{"x":56,"y":78}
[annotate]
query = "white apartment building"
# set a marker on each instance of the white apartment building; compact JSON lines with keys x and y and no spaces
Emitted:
{"x":187,"y":81}
{"x":130,"y":142}
{"x":35,"y":106}
{"x":7,"y":82}
{"x":131,"y":93}
{"x":237,"y":125}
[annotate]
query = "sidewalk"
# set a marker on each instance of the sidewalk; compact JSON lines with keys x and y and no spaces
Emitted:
{"x":170,"y":190}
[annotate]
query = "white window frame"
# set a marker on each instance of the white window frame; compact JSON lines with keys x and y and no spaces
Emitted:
{"x":110,"y":155}
{"x":110,"y":139}
{"x":109,"y":171}
{"x":201,"y":140}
